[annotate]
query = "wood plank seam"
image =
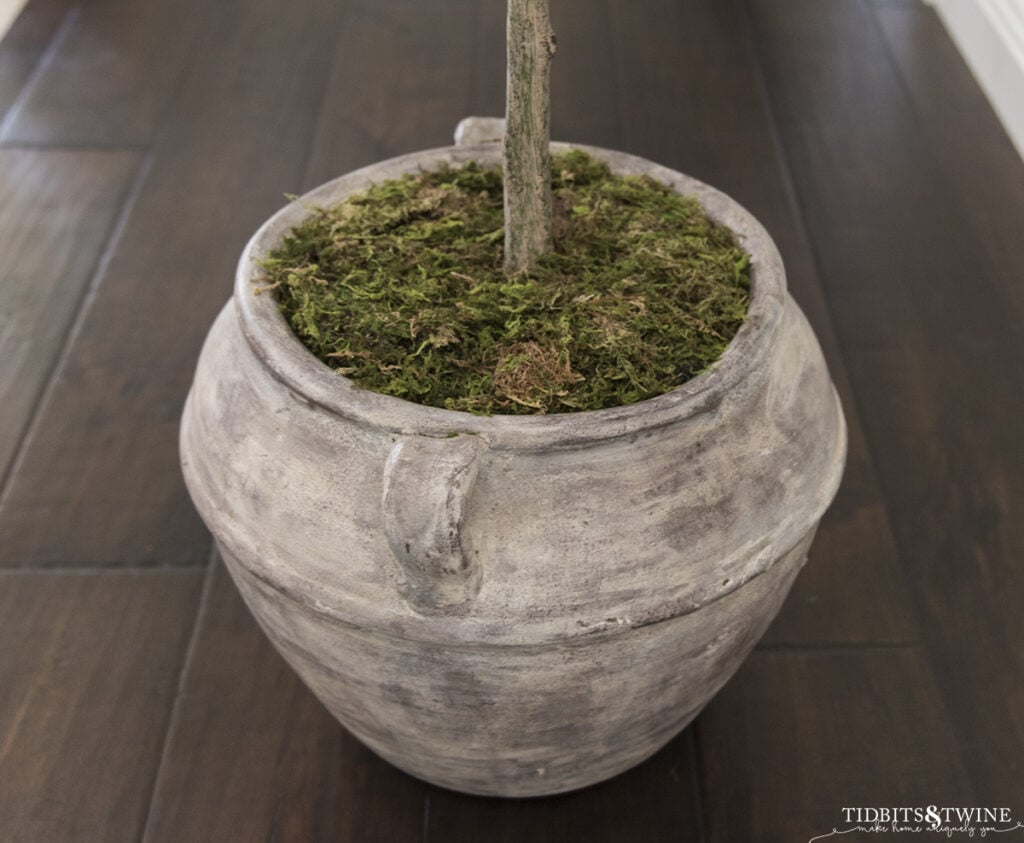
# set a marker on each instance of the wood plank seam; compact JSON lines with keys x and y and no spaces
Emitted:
{"x":53,"y":146}
{"x":475,"y":93}
{"x":797,"y":212}
{"x":88,"y":677}
{"x":616,"y":66}
{"x":25,"y":45}
{"x":699,"y":767}
{"x":139,"y":420}
{"x":162,"y":123}
{"x":692,"y":739}
{"x":932,"y":647}
{"x":44,"y":61}
{"x":942,"y":680}
{"x":306,"y":161}
{"x":855,"y":413}
{"x":84,"y":303}
{"x":172,"y":721}
{"x":70,"y":570}
{"x":835,"y":647}
{"x":872,"y":10}
{"x":127,"y":98}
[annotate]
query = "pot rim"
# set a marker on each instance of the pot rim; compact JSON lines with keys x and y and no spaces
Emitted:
{"x":284,"y":356}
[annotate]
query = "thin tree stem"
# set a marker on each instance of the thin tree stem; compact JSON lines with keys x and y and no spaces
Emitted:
{"x":527,"y":164}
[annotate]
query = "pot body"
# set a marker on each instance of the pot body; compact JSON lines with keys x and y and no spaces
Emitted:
{"x":513,"y":606}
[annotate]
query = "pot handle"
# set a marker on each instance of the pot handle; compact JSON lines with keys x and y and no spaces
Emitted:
{"x":426,"y":484}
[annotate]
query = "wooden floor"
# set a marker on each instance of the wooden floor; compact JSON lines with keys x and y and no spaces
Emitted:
{"x":143,"y":140}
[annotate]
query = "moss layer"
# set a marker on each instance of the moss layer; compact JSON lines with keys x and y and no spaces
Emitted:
{"x":401,"y":289}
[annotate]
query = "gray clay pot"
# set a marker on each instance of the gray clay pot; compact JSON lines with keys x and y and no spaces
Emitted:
{"x":513,"y":605}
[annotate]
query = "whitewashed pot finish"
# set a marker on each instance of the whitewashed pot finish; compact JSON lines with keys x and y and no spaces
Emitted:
{"x":513,"y":605}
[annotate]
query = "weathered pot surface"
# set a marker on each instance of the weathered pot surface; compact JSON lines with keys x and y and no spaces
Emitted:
{"x":513,"y":605}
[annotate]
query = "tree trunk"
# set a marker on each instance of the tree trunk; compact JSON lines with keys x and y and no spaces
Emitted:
{"x":527,"y":169}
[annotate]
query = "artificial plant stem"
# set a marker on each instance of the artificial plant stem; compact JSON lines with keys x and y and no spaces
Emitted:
{"x":527,"y":167}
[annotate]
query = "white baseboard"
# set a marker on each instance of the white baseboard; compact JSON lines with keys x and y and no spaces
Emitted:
{"x":9,"y":10}
{"x":990,"y":35}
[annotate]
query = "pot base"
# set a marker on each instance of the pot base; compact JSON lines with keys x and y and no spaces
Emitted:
{"x":521,"y":721}
{"x":519,"y":605}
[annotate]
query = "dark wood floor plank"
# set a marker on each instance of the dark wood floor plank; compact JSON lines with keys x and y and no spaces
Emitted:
{"x":692,"y":99}
{"x":252,"y":755}
{"x":25,"y":44}
{"x":657,"y":801}
{"x":373,"y":112}
{"x":105,"y":449}
{"x":89,"y":669}
{"x":488,"y":68}
{"x":687,"y":97}
{"x":401,"y":81}
{"x":970,"y":143}
{"x":932,"y":337}
{"x":57,"y":209}
{"x":584,"y":108}
{"x":796,"y":736}
{"x":101,"y":86}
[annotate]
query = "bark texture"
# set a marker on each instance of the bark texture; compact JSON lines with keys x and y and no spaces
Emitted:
{"x":527,"y":164}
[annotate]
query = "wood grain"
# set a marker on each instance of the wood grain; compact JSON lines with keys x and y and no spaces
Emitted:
{"x":932,"y":339}
{"x":854,"y":133}
{"x":584,"y":107}
{"x":361,"y":124}
{"x":796,"y":736}
{"x":89,"y":670}
{"x":252,"y":755}
{"x":487,"y":71}
{"x":970,"y":143}
{"x":101,"y":86}
{"x":104,"y":451}
{"x":26,"y":43}
{"x":399,"y":83}
{"x":692,"y":98}
{"x":57,"y":210}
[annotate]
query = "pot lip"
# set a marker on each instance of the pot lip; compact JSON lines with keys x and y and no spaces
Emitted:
{"x":284,"y":356}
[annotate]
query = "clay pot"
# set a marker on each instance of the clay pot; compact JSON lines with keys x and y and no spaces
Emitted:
{"x":513,"y":605}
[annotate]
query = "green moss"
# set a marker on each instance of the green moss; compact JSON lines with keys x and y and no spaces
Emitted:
{"x":401,"y":289}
